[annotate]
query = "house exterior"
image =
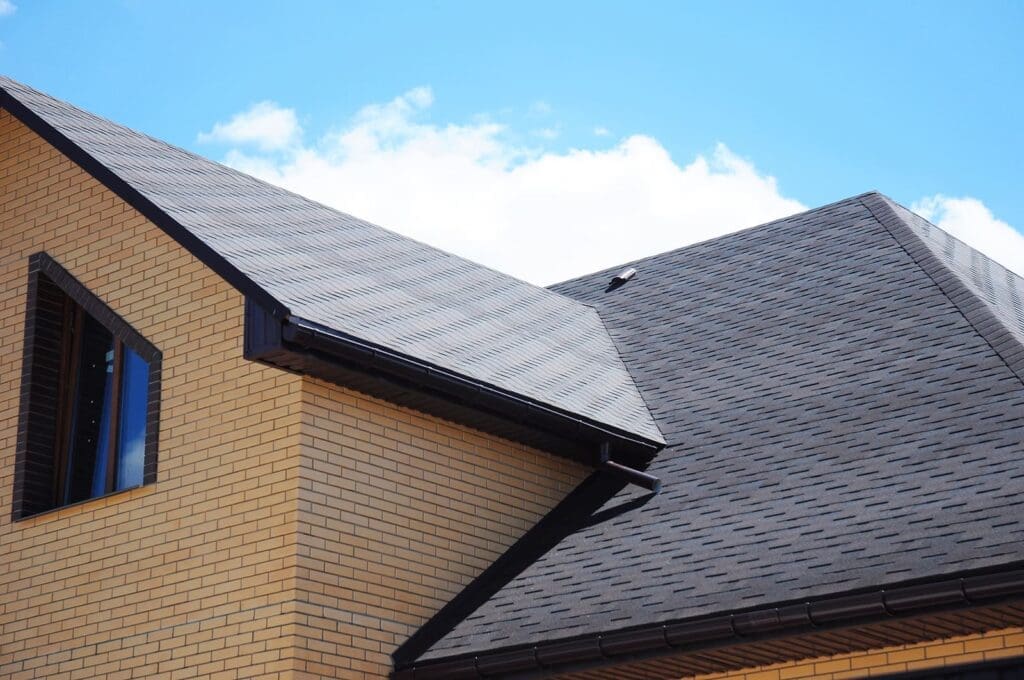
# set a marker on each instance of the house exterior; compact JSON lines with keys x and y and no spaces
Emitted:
{"x":246,"y":436}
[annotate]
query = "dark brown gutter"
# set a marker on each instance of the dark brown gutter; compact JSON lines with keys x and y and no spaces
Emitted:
{"x":312,"y":335}
{"x":304,"y":346}
{"x":603,"y":649}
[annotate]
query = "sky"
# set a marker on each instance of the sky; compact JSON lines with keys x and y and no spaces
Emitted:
{"x":552,"y":139}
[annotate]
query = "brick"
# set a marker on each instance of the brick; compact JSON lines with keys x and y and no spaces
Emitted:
{"x":401,"y":510}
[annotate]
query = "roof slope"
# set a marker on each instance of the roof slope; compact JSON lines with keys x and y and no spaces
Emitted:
{"x":357,"y":278}
{"x":835,"y":421}
{"x":998,"y":288}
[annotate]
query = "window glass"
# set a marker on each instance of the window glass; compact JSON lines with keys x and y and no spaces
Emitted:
{"x":92,"y":386}
{"x":132,"y":437}
{"x":88,"y":379}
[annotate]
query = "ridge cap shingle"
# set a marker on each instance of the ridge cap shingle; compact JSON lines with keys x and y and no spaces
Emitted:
{"x":986,"y":316}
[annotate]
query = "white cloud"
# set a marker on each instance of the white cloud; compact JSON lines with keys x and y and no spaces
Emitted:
{"x":970,"y":220}
{"x":266,"y":125}
{"x":540,"y":215}
{"x":7,"y":8}
{"x":601,"y":131}
{"x":540,"y":108}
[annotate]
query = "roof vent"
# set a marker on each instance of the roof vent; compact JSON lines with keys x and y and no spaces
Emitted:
{"x":622,"y":277}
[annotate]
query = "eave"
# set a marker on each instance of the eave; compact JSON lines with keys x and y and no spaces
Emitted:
{"x":985,"y":594}
{"x":317,"y":350}
{"x":308,"y":348}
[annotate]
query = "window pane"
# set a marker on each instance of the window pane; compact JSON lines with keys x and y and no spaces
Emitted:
{"x":90,"y":419}
{"x":132,"y":433}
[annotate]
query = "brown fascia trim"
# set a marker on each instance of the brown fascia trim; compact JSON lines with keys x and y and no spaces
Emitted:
{"x":304,"y":346}
{"x":137,"y":200}
{"x":842,"y":611}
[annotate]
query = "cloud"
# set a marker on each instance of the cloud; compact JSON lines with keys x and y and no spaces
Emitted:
{"x":7,"y":8}
{"x":537,"y":214}
{"x":969,"y":220}
{"x":540,"y":108}
{"x":266,"y":125}
{"x":601,"y":131}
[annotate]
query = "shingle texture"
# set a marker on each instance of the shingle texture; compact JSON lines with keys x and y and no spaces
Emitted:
{"x":835,"y":421}
{"x":357,"y":278}
{"x":997,"y":287}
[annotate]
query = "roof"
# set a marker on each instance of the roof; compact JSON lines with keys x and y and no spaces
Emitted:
{"x":842,"y":396}
{"x":312,"y":263}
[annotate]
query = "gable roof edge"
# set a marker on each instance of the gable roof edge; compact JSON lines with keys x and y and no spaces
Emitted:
{"x":101,"y":173}
{"x":977,"y":313}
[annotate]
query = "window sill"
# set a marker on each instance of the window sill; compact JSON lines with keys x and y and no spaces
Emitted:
{"x":49,"y":514}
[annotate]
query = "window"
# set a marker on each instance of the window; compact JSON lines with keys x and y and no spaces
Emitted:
{"x":89,"y":399}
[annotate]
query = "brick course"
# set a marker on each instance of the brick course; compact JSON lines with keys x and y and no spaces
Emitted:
{"x":195,"y":575}
{"x":399,"y":511}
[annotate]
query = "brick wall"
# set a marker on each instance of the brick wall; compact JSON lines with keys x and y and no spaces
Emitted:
{"x":245,"y":559}
{"x":954,"y":651}
{"x":398,"y":512}
{"x":192,"y":576}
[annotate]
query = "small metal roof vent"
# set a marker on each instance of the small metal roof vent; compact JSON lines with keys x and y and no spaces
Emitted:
{"x":622,"y":277}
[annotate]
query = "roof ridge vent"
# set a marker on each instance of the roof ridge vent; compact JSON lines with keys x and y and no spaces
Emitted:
{"x":622,"y":277}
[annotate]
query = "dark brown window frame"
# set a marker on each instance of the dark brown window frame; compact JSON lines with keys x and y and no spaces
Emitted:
{"x":37,"y":457}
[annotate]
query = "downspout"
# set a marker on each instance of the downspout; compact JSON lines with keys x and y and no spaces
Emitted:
{"x":624,"y":472}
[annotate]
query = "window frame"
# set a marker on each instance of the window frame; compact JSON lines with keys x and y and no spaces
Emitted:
{"x":40,"y":453}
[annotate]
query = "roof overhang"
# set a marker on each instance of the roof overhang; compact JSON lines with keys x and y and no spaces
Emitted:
{"x":290,"y":342}
{"x":866,"y":619}
{"x":308,"y":348}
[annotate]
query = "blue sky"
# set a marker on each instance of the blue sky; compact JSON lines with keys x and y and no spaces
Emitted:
{"x":524,"y":102}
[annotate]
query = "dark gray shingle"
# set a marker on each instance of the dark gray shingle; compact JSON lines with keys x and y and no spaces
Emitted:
{"x":834,"y":422}
{"x":371,"y":283}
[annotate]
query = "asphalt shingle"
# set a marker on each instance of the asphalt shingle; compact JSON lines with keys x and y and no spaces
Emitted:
{"x":355,"y":277}
{"x":834,"y":422}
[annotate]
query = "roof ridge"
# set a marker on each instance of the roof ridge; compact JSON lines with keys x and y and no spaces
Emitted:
{"x":978,"y":312}
{"x":715,"y":239}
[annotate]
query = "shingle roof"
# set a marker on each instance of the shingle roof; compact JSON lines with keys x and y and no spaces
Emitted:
{"x":365,"y":281}
{"x":842,"y":399}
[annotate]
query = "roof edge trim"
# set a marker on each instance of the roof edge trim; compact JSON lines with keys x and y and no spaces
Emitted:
{"x":306,"y":347}
{"x":843,"y":610}
{"x":969,"y":305}
{"x":311,"y":335}
{"x":145,"y":206}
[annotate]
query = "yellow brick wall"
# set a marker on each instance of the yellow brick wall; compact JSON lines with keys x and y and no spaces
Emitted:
{"x":954,"y":651}
{"x":245,"y":559}
{"x":192,"y":576}
{"x":399,"y":511}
